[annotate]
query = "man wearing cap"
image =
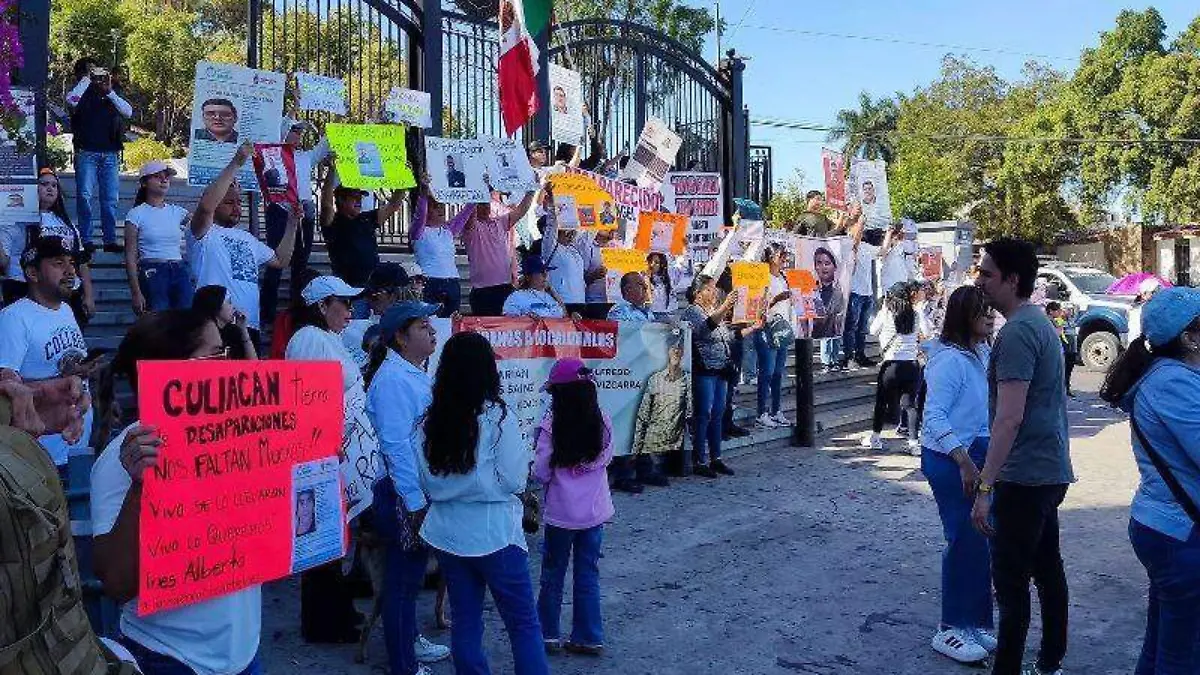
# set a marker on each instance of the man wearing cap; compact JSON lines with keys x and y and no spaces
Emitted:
{"x":397,"y":398}
{"x":349,"y":231}
{"x":41,"y":339}
{"x":159,"y":278}
{"x":534,"y":298}
{"x":98,"y":125}
{"x":224,"y":255}
{"x":384,"y":288}
{"x":276,"y":217}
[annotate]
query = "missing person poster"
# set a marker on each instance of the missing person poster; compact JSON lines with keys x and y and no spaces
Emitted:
{"x":231,"y":104}
{"x":275,"y":166}
{"x":868,"y":187}
{"x":19,"y":211}
{"x":18,"y":156}
{"x":566,"y":105}
{"x":642,"y":373}
{"x":320,"y":93}
{"x":929,"y":262}
{"x":628,"y":201}
{"x":654,"y":154}
{"x":371,"y":156}
{"x":700,"y":197}
{"x":406,"y":106}
{"x":750,"y":280}
{"x":246,"y":489}
{"x":662,"y":232}
{"x":581,"y":204}
{"x":820,"y":283}
{"x":457,"y":169}
{"x":618,"y":262}
{"x":833,"y":165}
{"x":508,"y":166}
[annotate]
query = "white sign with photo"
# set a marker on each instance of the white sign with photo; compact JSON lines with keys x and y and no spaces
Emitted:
{"x":232,"y":104}
{"x":700,"y":197}
{"x":868,"y":187}
{"x":456,"y":170}
{"x":654,"y":154}
{"x":566,"y":105}
{"x":508,"y":166}
{"x":410,"y":107}
{"x":320,"y":93}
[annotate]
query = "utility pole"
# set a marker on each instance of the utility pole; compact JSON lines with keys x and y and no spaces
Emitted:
{"x":717,"y":63}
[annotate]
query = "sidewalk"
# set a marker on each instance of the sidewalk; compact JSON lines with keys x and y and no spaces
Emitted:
{"x":808,"y":561}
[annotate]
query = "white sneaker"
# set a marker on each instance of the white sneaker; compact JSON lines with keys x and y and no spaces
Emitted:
{"x":424,"y":670}
{"x":429,"y":652}
{"x":766,"y":421}
{"x":985,"y":638}
{"x":873,"y":442}
{"x":914,"y":447}
{"x":1033,"y":670}
{"x":781,"y":419}
{"x":958,"y":645}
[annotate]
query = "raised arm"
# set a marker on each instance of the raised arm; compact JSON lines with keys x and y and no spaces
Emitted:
{"x":283,"y":252}
{"x":217,"y":190}
{"x":385,"y":212}
{"x":518,"y":212}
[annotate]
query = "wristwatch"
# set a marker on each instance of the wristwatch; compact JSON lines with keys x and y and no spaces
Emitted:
{"x":983,"y":488}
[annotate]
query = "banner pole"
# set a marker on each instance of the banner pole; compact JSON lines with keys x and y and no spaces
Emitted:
{"x":805,"y":431}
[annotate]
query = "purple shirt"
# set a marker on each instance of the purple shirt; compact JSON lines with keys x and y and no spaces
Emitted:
{"x":489,"y":250}
{"x":577,"y":498}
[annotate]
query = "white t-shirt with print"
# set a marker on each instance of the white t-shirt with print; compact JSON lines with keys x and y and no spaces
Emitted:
{"x":776,"y":286}
{"x":160,"y":230}
{"x":230,"y":257}
{"x":213,"y":637}
{"x":34,"y":340}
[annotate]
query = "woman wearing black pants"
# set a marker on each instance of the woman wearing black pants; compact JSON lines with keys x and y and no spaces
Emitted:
{"x":899,"y":375}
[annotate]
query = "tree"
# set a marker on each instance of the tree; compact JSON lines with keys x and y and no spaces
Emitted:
{"x":787,"y":201}
{"x":163,"y":52}
{"x":867,"y":132}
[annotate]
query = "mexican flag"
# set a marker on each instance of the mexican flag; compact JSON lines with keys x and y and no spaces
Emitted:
{"x":520,"y":20}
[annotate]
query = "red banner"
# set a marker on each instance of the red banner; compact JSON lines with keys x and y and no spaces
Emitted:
{"x":526,"y":338}
{"x":834,"y":166}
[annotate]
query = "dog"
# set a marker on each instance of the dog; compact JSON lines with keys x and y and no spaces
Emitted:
{"x":372,"y":552}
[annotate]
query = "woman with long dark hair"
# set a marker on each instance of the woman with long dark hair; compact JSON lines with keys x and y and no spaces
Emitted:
{"x":213,"y":302}
{"x":473,"y":464}
{"x":1157,"y":381}
{"x":219,"y":635}
{"x":771,"y":345}
{"x":899,"y":375}
{"x":664,"y":281}
{"x":159,"y":277}
{"x":954,"y":439}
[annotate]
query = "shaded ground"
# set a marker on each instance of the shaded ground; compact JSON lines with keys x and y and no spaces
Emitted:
{"x":816,"y":562}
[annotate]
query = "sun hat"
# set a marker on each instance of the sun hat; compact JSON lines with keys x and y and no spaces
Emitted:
{"x":401,"y":312}
{"x":156,"y":166}
{"x":1168,"y":313}
{"x":568,"y":370}
{"x":328,"y":287}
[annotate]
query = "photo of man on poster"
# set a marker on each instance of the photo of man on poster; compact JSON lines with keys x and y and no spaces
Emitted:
{"x":559,"y":98}
{"x":220,"y":121}
{"x":306,"y":512}
{"x":454,"y":177}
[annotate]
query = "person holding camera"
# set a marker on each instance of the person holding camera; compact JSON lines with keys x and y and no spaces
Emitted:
{"x":98,"y":115}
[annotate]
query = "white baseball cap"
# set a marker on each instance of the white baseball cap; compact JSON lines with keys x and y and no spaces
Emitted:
{"x":155,"y":166}
{"x":328,"y":287}
{"x":412,"y":269}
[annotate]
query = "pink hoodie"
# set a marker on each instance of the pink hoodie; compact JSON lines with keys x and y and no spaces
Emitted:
{"x":577,"y":498}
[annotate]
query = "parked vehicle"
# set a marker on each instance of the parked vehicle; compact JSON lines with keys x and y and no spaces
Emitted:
{"x":1100,"y":322}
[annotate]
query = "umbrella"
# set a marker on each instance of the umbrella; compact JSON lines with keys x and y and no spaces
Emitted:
{"x":1128,"y":285}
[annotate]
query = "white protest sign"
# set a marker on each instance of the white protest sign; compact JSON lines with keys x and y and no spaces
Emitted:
{"x":700,"y":197}
{"x":456,"y":169}
{"x":566,"y":105}
{"x":317,"y":92}
{"x":654,"y":154}
{"x":407,"y":106}
{"x":232,"y":104}
{"x":360,"y":455}
{"x":868,"y":186}
{"x":508,"y":166}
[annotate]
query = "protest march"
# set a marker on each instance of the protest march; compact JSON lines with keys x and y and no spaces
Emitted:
{"x":368,"y":338}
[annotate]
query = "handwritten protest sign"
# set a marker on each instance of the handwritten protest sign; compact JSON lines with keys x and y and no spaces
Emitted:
{"x":619,"y":262}
{"x":580,"y":203}
{"x":833,"y":165}
{"x":750,"y":279}
{"x":232,"y":104}
{"x":700,"y":197}
{"x":801,"y":280}
{"x":359,"y":454}
{"x":406,"y":106}
{"x":662,"y":232}
{"x":566,"y":105}
{"x":247,"y":487}
{"x":371,"y":156}
{"x":508,"y":166}
{"x":275,"y":166}
{"x":317,"y":92}
{"x":654,"y":154}
{"x":456,"y":170}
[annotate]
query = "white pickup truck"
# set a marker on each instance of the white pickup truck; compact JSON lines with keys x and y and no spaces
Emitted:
{"x":1100,"y":322}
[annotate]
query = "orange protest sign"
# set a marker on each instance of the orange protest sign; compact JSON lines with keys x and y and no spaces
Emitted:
{"x":662,"y":232}
{"x":801,"y":280}
{"x":247,"y":486}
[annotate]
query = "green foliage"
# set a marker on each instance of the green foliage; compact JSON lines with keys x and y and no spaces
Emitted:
{"x":787,"y":201}
{"x":58,"y":153}
{"x":144,"y":150}
{"x":869,"y":131}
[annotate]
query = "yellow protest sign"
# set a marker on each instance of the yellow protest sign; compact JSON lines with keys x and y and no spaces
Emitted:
{"x":618,"y":262}
{"x":662,"y":232}
{"x":371,"y":156}
{"x":581,"y":203}
{"x":750,"y":279}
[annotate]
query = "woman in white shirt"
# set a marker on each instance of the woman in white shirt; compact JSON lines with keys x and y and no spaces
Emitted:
{"x":664,"y":284}
{"x":327,"y":613}
{"x":432,"y":238}
{"x":534,"y":297}
{"x":896,"y":326}
{"x":159,"y":278}
{"x":772,"y":357}
{"x":220,"y":635}
{"x":473,"y":464}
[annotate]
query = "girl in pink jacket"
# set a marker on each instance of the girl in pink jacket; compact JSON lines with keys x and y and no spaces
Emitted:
{"x":574,"y":447}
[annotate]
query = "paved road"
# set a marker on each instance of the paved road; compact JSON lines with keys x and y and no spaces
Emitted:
{"x":808,"y":561}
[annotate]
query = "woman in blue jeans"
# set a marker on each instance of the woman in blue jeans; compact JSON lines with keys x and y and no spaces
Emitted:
{"x":772,"y":358}
{"x":159,"y":278}
{"x":954,"y":440}
{"x":712,"y":364}
{"x":473,"y":464}
{"x":1157,"y":381}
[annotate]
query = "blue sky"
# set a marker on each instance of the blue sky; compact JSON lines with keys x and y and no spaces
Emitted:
{"x":809,"y":78}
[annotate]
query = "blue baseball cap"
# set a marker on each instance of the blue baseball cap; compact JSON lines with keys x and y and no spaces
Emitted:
{"x":1168,"y":313}
{"x":402,"y":312}
{"x":532,"y":264}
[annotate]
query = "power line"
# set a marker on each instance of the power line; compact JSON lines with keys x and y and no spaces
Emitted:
{"x":745,"y":14}
{"x":794,"y":125}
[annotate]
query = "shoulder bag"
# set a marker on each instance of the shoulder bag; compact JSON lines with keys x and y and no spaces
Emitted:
{"x":1168,"y":477}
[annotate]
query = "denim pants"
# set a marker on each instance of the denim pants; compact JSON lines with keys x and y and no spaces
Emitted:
{"x":444,"y":292}
{"x":708,"y":393}
{"x":966,"y":572}
{"x":165,"y":284}
{"x":1025,"y":546}
{"x":403,"y":576}
{"x":153,"y":663}
{"x":772,"y":361}
{"x":831,"y":350}
{"x":587,"y":627}
{"x":858,"y":318}
{"x":1172,"y":642}
{"x":276,"y":218}
{"x":97,"y":174}
{"x":506,"y":574}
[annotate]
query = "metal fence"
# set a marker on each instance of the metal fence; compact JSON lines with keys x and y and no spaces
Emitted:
{"x":761,"y":178}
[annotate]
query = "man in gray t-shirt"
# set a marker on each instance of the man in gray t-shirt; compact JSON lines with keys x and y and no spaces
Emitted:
{"x":1028,"y":467}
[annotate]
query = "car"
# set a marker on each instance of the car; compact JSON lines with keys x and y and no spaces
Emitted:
{"x":1100,"y":322}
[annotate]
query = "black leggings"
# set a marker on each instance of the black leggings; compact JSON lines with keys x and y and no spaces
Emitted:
{"x":896,"y":379}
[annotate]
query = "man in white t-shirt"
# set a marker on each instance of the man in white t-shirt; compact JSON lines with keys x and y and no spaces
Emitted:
{"x":861,"y":302}
{"x":898,"y":258}
{"x":223,"y":255}
{"x":40,"y":338}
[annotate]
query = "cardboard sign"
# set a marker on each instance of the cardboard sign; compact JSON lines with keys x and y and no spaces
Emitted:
{"x":317,"y":92}
{"x":580,"y":203}
{"x":654,"y":154}
{"x":833,"y":165}
{"x":232,"y":104}
{"x":619,"y":262}
{"x":662,"y":232}
{"x":247,"y":487}
{"x":457,"y":169}
{"x":929,"y":259}
{"x":750,"y":279}
{"x":508,"y":166}
{"x":566,"y":105}
{"x":406,"y":106}
{"x":275,"y":166}
{"x":371,"y":156}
